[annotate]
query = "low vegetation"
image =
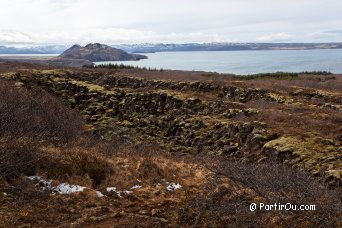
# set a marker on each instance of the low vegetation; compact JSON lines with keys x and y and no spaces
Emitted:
{"x":283,"y":75}
{"x":317,"y":73}
{"x":277,"y":75}
{"x":124,"y":66}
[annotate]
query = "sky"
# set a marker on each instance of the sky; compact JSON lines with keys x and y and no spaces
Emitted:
{"x":43,"y":22}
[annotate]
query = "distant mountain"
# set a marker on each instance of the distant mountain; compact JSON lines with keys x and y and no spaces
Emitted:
{"x":150,"y":48}
{"x":49,"y":49}
{"x":99,"y":52}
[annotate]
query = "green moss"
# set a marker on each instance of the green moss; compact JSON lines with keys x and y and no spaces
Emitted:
{"x":280,"y":99}
{"x":178,"y":95}
{"x":309,"y":153}
{"x":336,"y":173}
{"x":284,"y":144}
{"x":91,"y":87}
{"x":8,"y":75}
{"x":53,"y":71}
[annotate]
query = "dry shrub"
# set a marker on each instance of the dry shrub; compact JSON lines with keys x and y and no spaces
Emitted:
{"x":325,"y":83}
{"x":142,"y":161}
{"x":17,"y":157}
{"x":273,"y":183}
{"x":74,"y":162}
{"x":105,"y":164}
{"x":277,"y":182}
{"x":27,"y":121}
{"x":149,"y":170}
{"x":38,"y":116}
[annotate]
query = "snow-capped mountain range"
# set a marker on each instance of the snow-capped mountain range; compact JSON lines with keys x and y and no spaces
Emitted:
{"x":149,"y":47}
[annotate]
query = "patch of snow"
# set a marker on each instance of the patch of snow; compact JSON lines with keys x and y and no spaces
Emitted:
{"x":99,"y":194}
{"x":34,"y":178}
{"x":173,"y":187}
{"x":43,"y":184}
{"x":166,"y":182}
{"x":113,"y":189}
{"x":5,"y":194}
{"x":66,"y":188}
{"x":136,"y":186}
{"x":63,"y":188}
{"x":138,"y":180}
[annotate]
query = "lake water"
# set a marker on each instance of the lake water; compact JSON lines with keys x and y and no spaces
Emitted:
{"x":244,"y":62}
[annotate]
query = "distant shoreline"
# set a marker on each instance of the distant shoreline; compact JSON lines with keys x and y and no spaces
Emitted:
{"x":237,"y":62}
{"x":171,"y":47}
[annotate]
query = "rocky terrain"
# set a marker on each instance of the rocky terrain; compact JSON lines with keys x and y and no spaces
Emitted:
{"x":99,"y":52}
{"x":48,"y":61}
{"x":186,"y":148}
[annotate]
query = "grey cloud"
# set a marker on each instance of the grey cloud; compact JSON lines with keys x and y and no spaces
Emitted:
{"x":278,"y":37}
{"x":176,"y":21}
{"x":337,"y":32}
{"x":14,"y":37}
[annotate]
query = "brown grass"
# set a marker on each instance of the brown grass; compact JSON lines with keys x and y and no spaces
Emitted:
{"x":296,"y":119}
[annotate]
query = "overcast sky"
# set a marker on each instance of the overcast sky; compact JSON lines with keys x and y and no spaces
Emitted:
{"x":27,"y":22}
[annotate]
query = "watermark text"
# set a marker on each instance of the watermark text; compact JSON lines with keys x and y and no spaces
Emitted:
{"x":281,"y":207}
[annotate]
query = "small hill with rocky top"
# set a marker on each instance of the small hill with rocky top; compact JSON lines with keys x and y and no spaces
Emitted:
{"x":99,"y":52}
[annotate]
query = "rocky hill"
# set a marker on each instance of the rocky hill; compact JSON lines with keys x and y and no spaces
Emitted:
{"x":99,"y":52}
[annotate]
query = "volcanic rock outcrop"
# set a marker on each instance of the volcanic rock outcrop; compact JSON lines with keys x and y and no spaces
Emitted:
{"x":99,"y":52}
